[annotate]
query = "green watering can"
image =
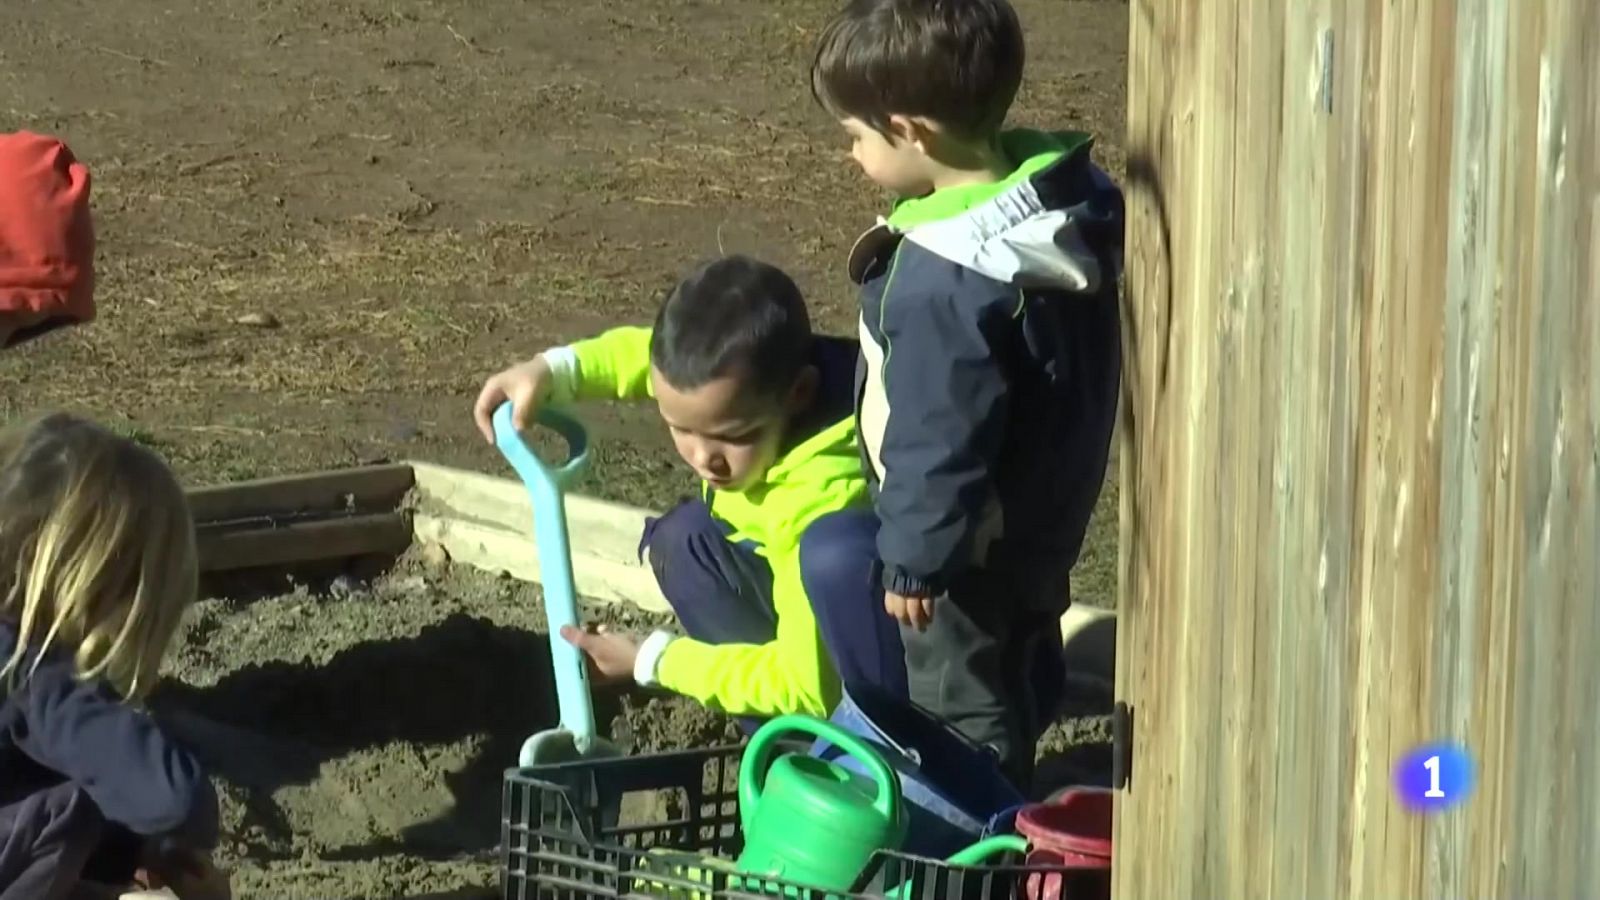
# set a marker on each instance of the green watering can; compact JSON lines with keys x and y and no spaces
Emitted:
{"x":809,"y":821}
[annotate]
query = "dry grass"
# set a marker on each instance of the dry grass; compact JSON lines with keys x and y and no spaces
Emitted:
{"x":412,"y":196}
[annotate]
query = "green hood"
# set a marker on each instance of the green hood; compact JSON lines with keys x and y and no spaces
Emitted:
{"x":1030,"y":151}
{"x":1010,"y":230}
{"x":820,"y":475}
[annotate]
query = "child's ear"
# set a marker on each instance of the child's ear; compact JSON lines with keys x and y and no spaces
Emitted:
{"x":904,"y":129}
{"x":803,"y":391}
{"x":913,"y":130}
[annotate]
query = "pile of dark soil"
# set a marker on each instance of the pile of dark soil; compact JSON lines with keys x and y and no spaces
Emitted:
{"x":359,"y":730}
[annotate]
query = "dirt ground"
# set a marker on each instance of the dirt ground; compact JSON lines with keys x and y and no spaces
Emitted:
{"x":359,"y":729}
{"x":323,"y":222}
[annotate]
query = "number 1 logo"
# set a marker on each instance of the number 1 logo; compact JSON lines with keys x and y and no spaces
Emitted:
{"x":1433,"y":777}
{"x":1434,"y":792}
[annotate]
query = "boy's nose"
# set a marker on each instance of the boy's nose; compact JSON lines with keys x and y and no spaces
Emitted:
{"x":701,"y":456}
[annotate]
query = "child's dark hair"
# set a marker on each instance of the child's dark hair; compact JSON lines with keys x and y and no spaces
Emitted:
{"x":956,"y":62}
{"x":734,"y":315}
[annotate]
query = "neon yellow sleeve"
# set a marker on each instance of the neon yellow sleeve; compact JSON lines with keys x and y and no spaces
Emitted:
{"x":614,"y":365}
{"x":792,"y":674}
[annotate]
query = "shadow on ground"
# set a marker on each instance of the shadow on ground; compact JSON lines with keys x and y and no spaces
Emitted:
{"x":1076,"y":751}
{"x":266,"y":727}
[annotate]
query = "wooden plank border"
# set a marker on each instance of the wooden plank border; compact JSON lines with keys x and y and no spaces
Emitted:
{"x":479,"y":520}
{"x":487,"y":522}
{"x":365,"y":489}
{"x":301,"y":518}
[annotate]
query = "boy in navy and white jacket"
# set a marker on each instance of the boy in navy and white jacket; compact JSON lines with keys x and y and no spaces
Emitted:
{"x":990,"y":353}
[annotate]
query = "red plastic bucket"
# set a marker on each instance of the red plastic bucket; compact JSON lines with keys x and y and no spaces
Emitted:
{"x":1072,"y":831}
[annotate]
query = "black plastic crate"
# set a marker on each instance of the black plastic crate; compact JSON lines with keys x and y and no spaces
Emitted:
{"x":561,"y":839}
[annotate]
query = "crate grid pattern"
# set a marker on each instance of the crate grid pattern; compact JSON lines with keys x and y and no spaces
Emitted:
{"x":559,"y":841}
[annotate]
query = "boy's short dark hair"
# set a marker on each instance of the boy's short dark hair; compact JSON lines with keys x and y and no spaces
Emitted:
{"x":733,"y":316}
{"x":956,"y":62}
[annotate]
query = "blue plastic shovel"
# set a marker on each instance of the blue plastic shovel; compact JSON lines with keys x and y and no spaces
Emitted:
{"x":574,"y":737}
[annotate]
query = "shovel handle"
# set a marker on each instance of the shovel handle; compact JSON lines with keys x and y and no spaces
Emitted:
{"x":529,"y":467}
{"x":545,"y":485}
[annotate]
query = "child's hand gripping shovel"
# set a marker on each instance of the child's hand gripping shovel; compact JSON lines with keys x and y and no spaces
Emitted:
{"x":574,"y":737}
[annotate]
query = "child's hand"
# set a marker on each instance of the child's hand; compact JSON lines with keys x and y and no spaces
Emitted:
{"x":611,"y":656}
{"x":189,"y":874}
{"x":527,"y":386}
{"x":916,"y":612}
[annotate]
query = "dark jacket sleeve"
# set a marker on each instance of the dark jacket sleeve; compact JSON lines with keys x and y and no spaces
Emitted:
{"x":944,"y":379}
{"x":137,"y":775}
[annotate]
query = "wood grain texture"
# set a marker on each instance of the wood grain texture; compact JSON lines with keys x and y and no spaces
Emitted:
{"x":1360,"y":445}
{"x":363,"y":489}
{"x":383,"y":534}
{"x":487,"y":522}
{"x":494,"y":549}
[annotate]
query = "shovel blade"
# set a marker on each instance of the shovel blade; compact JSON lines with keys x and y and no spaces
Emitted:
{"x":550,"y":747}
{"x":560,"y":745}
{"x":555,"y":746}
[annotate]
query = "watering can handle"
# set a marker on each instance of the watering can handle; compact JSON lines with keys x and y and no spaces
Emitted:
{"x":988,"y":847}
{"x":758,"y":758}
{"x":971,"y":855}
{"x":545,"y":486}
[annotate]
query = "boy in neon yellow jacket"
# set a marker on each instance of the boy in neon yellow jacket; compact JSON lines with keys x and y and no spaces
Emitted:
{"x":773,"y":570}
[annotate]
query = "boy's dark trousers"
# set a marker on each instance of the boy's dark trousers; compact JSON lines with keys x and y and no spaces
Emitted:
{"x":991,"y":662}
{"x":722,"y":591}
{"x":53,"y":838}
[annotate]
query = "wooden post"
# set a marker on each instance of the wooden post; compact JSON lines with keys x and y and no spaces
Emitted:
{"x":1361,"y":446}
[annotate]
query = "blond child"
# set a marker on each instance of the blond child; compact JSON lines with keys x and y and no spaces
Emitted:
{"x":97,"y":565}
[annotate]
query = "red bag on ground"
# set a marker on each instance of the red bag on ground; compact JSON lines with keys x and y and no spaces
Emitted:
{"x":46,"y":238}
